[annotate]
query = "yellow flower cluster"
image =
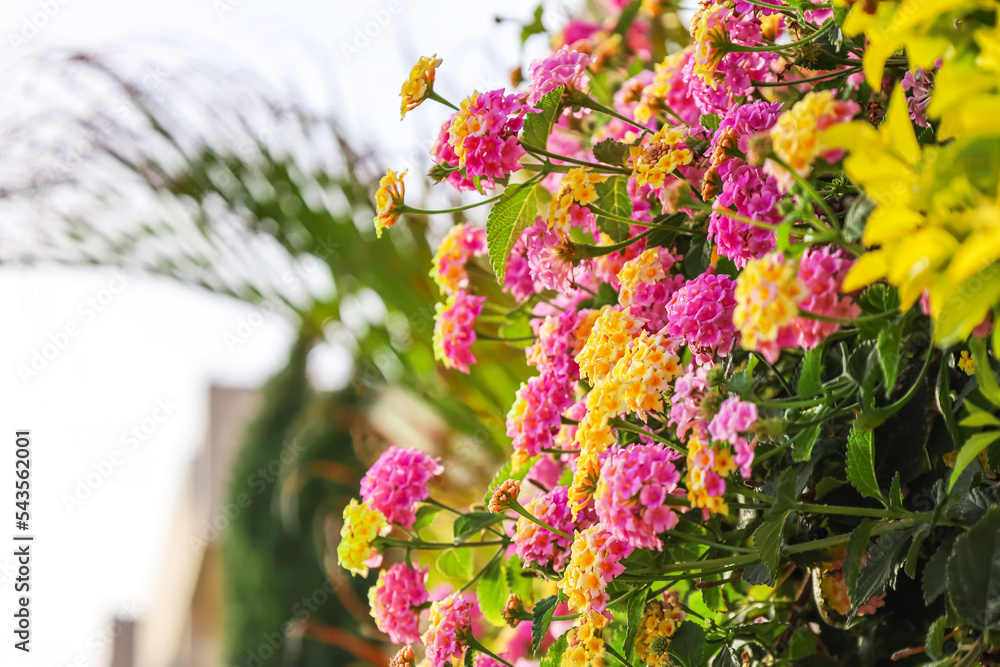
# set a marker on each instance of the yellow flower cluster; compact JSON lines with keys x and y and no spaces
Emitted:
{"x":645,"y":269}
{"x":591,"y":566}
{"x":767,"y":296}
{"x":419,"y":86}
{"x":645,"y":373}
{"x":708,"y":30}
{"x":795,"y":135}
{"x":936,"y":223}
{"x":659,"y":155}
{"x":362,"y":524}
{"x":701,"y":460}
{"x":613,"y":330}
{"x":653,"y":98}
{"x":659,"y":623}
{"x":586,"y":647}
{"x":593,"y":437}
{"x":577,"y":188}
{"x":388,"y":199}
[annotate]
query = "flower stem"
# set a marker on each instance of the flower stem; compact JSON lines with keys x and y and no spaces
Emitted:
{"x":626,"y":426}
{"x":519,"y":508}
{"x":475,"y":645}
{"x":811,"y":79}
{"x":737,"y":48}
{"x":437,"y":98}
{"x":582,"y":163}
{"x":610,"y":649}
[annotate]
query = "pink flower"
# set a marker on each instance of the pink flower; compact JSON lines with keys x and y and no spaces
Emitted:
{"x":747,"y":120}
{"x":535,"y":544}
{"x":701,"y":312}
{"x":734,"y":417}
{"x":398,"y":482}
{"x":517,"y":279}
{"x":483,"y":135}
{"x":444,"y":153}
{"x":450,"y":620}
{"x":394,"y":600}
{"x":460,"y":245}
{"x":565,"y":67}
{"x":752,"y":194}
{"x":685,"y":403}
{"x":631,"y":495}
{"x":455,"y":330}
{"x":822,"y":271}
{"x":535,"y":417}
{"x":919,"y":83}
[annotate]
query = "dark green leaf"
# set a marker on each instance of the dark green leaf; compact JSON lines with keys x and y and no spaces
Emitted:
{"x":974,"y":444}
{"x":984,"y":371}
{"x":633,"y":618}
{"x":515,"y":212}
{"x":767,"y":541}
{"x":538,"y":125}
{"x":896,"y":493}
{"x":932,"y":581}
{"x":613,"y":198}
{"x":810,"y":382}
{"x":860,"y":462}
{"x":541,"y":616}
{"x":880,"y":571}
{"x":889,"y":346}
{"x":710,"y":121}
{"x":855,"y":550}
{"x":934,"y":645}
{"x":914,"y":554}
{"x":803,"y":441}
{"x":492,"y":591}
{"x":973,"y":572}
{"x":857,"y":216}
{"x":712,"y":597}
{"x":758,"y":575}
{"x":610,"y":151}
{"x":469,"y":524}
{"x":687,"y":644}
{"x":470,"y":658}
{"x":726,"y":658}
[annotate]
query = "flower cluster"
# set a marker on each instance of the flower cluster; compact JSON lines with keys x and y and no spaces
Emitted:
{"x":594,"y":562}
{"x":565,"y":67}
{"x":388,"y":199}
{"x":362,"y":524}
{"x":420,"y":85}
{"x":460,"y":245}
{"x":535,"y":544}
{"x":449,"y":622}
{"x":660,"y":620}
{"x":394,"y":600}
{"x":455,"y":330}
{"x":398,"y":482}
{"x":483,"y":136}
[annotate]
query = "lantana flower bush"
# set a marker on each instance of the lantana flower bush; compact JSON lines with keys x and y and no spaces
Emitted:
{"x":755,"y":268}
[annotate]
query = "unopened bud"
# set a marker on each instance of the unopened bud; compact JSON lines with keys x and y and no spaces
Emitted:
{"x":513,"y":610}
{"x":403,"y":658}
{"x":504,"y":496}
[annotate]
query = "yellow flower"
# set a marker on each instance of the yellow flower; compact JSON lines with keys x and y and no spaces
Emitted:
{"x":708,"y":31}
{"x":388,"y":200}
{"x":362,"y":524}
{"x":660,"y":621}
{"x":586,"y":647}
{"x":936,"y":223}
{"x":967,"y":363}
{"x":767,"y":296}
{"x":420,"y":85}
{"x":578,"y":187}
{"x":659,"y":155}
{"x":795,"y":135}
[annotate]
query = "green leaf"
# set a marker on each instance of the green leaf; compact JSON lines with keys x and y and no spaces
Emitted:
{"x":492,"y":591}
{"x":857,"y":216}
{"x":519,"y":585}
{"x":711,"y":121}
{"x":984,"y":371}
{"x":471,"y":523}
{"x":627,"y":17}
{"x":613,"y":198}
{"x":515,"y":212}
{"x":980,"y":418}
{"x":880,"y":570}
{"x":610,"y":151}
{"x":803,"y":442}
{"x":536,"y":26}
{"x":469,"y":660}
{"x":425,"y":516}
{"x":934,"y":645}
{"x":975,"y":444}
{"x":973,"y":573}
{"x":507,"y":472}
{"x":538,"y":125}
{"x":855,"y":550}
{"x":810,"y":382}
{"x":767,"y":541}
{"x":687,"y":645}
{"x":633,"y":619}
{"x":967,"y":303}
{"x":455,"y":563}
{"x":914,"y":554}
{"x":553,"y":658}
{"x":712,"y":597}
{"x":726,"y":658}
{"x":860,"y":462}
{"x":932,"y":581}
{"x":541,"y":617}
{"x":896,"y":493}
{"x":889,"y":346}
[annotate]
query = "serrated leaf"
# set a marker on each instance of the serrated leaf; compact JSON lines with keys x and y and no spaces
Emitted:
{"x":767,"y":541}
{"x":471,"y":523}
{"x":880,"y":570}
{"x":889,"y":346}
{"x":758,"y":575}
{"x":974,"y":444}
{"x":934,"y":644}
{"x":514,"y":213}
{"x":896,"y":493}
{"x":687,"y":644}
{"x":725,"y":658}
{"x":712,"y":597}
{"x":710,"y":121}
{"x":470,"y":658}
{"x":613,"y":198}
{"x":538,"y":124}
{"x":492,"y":592}
{"x":633,"y":619}
{"x":856,"y":547}
{"x":553,"y":657}
{"x":610,"y":151}
{"x":803,"y":442}
{"x":541,"y":617}
{"x":910,"y":568}
{"x":932,"y":581}
{"x":973,"y":572}
{"x":425,"y":516}
{"x":861,"y":462}
{"x":455,"y":563}
{"x":810,"y":382}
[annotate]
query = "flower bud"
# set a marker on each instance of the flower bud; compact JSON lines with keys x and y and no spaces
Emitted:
{"x":504,"y":496}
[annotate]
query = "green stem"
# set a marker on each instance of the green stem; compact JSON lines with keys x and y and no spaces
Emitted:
{"x":475,"y":645}
{"x":588,"y":251}
{"x":781,"y":378}
{"x":847,"y":320}
{"x":811,"y":79}
{"x":486,"y":336}
{"x":773,"y":48}
{"x":610,"y":649}
{"x":596,"y":166}
{"x":582,"y":99}
{"x":708,"y":543}
{"x":389,"y":542}
{"x":626,"y":426}
{"x":519,"y":508}
{"x":437,"y":98}
{"x":805,"y":185}
{"x":749,"y":221}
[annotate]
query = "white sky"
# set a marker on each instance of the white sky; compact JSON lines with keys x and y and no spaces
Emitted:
{"x":154,"y":340}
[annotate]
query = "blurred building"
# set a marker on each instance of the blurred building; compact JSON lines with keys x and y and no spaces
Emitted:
{"x":182,"y":625}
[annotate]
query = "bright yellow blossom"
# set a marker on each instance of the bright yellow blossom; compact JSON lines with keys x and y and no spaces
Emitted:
{"x":362,"y":524}
{"x":767,"y":296}
{"x":419,"y":85}
{"x":388,"y":200}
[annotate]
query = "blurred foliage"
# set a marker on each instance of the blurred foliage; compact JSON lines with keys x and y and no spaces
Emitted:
{"x":220,"y":187}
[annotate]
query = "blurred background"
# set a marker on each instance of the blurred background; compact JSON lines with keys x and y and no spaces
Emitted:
{"x":200,"y":331}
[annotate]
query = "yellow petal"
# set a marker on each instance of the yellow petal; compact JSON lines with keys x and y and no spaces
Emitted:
{"x":898,"y":128}
{"x":977,"y":252}
{"x":869,"y":268}
{"x":856,"y":136}
{"x":890,"y":222}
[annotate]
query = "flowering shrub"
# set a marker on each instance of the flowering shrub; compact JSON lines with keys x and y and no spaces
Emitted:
{"x":742,"y":444}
